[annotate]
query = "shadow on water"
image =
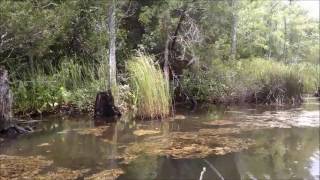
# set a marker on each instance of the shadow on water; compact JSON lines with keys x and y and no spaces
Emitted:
{"x":285,"y":144}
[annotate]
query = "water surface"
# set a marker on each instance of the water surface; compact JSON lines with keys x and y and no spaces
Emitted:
{"x":284,"y":144}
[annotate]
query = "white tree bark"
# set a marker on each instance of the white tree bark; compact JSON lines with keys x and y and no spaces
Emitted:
{"x":5,"y":100}
{"x":112,"y":46}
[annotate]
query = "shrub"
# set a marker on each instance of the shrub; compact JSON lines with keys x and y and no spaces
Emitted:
{"x":151,"y":95}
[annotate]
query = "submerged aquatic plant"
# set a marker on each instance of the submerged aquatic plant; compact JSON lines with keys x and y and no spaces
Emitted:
{"x":151,"y":90}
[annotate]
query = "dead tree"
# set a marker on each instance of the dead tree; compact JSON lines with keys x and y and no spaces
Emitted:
{"x":5,"y":100}
{"x":105,"y":105}
{"x":180,"y":50}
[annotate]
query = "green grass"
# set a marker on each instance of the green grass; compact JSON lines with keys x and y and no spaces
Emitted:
{"x":151,"y":95}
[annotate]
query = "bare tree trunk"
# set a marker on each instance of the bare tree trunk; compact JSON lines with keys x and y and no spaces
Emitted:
{"x":112,"y":46}
{"x":166,"y":61}
{"x":234,"y":30}
{"x":271,"y":26}
{"x":289,"y":35}
{"x":5,"y":100}
{"x":270,"y":39}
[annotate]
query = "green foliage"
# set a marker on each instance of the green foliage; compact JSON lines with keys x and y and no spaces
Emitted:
{"x":35,"y":33}
{"x":151,"y":91}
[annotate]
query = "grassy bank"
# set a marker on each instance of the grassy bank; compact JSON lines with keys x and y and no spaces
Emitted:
{"x":251,"y":80}
{"x":246,"y":80}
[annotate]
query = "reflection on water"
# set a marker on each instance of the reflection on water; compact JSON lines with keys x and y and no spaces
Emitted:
{"x":286,"y":144}
{"x":278,"y":154}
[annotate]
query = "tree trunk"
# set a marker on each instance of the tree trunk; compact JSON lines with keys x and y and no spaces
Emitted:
{"x":234,"y":30}
{"x":270,"y":39}
{"x":270,"y":24}
{"x":5,"y":100}
{"x":166,"y":61}
{"x":112,"y":47}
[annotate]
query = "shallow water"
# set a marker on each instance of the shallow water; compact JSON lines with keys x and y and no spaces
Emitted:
{"x":238,"y":142}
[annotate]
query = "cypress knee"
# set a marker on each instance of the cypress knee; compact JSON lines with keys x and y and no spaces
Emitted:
{"x":5,"y":100}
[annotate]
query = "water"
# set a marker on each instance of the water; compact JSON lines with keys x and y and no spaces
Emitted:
{"x":263,"y":143}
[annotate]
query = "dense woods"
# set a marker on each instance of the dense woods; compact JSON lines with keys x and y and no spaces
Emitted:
{"x":62,"y":52}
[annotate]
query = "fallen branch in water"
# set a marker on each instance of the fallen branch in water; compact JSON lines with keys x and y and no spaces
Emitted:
{"x":214,"y":169}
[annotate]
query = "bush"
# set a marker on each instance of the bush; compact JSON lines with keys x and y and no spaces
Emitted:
{"x":151,"y":95}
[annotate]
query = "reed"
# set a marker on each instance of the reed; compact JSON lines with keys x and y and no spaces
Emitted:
{"x":151,"y":91}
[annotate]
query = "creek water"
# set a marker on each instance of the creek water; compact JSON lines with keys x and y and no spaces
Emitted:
{"x":284,"y":144}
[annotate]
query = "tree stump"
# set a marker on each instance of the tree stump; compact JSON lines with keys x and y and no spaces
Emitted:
{"x":5,"y":100}
{"x":104,"y":106}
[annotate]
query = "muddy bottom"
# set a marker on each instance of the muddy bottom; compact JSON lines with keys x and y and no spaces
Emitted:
{"x":238,"y":142}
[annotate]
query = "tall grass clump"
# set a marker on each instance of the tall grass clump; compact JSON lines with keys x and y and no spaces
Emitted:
{"x":151,"y":95}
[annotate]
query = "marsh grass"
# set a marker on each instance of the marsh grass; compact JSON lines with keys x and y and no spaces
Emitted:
{"x":270,"y":81}
{"x":151,"y":95}
{"x":253,"y":80}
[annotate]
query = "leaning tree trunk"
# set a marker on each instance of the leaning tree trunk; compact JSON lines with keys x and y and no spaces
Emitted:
{"x":5,"y":100}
